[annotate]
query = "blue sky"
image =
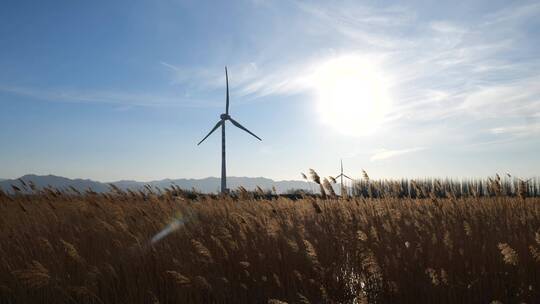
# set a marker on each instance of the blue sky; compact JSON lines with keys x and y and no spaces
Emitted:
{"x":114,"y":90}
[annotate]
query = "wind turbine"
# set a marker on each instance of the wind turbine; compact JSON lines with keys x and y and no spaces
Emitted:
{"x":341,"y":175}
{"x":221,"y":123}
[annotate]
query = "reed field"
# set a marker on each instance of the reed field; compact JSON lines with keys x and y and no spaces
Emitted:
{"x":378,"y":244}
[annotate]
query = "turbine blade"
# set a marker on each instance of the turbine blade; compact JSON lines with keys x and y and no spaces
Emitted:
{"x":227,"y":81}
{"x":347,"y":177}
{"x":219,"y":123}
{"x":234,"y":122}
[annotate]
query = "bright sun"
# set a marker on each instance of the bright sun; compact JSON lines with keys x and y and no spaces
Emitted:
{"x":352,"y":95}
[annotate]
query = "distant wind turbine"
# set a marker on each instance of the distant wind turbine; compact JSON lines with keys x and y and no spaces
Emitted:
{"x":341,"y":175}
{"x":223,"y":118}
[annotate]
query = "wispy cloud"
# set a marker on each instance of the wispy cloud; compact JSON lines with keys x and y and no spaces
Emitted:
{"x":517,"y":98}
{"x":107,"y":97}
{"x":517,"y":14}
{"x":386,"y":154}
{"x":518,"y":130}
{"x":439,"y":69}
{"x":246,"y":80}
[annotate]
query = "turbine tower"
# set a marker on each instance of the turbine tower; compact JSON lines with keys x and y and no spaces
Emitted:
{"x":341,"y":175}
{"x":221,"y":123}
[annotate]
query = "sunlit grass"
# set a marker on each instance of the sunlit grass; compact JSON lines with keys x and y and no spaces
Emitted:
{"x":96,"y":248}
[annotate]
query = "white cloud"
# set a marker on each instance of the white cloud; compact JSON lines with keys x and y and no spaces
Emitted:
{"x":385,"y":154}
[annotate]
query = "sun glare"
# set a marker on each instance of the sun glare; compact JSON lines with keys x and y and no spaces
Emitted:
{"x":352,"y":95}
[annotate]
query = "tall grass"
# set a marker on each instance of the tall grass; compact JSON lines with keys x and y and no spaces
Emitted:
{"x":446,"y":188}
{"x":63,"y":247}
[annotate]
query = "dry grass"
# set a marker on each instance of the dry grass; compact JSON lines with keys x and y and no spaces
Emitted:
{"x":95,"y":248}
{"x":446,"y":188}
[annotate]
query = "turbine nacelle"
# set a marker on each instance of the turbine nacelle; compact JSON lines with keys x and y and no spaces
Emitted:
{"x":225,"y":116}
{"x":341,"y":173}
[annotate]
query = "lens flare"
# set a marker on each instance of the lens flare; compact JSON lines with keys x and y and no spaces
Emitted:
{"x":172,"y":227}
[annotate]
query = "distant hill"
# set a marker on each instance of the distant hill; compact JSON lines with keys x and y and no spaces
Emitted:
{"x":205,"y":185}
{"x":42,"y":181}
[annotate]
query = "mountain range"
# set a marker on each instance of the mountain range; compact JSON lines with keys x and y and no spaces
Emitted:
{"x":204,"y":185}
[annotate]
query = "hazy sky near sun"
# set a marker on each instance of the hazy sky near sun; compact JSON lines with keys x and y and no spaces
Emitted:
{"x":114,"y":90}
